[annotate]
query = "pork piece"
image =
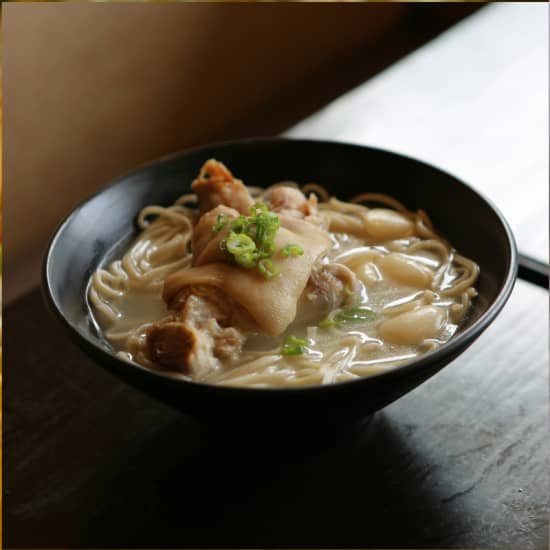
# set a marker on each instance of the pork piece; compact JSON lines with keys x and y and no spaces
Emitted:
{"x":208,"y":326}
{"x":329,"y":287}
{"x":216,"y":185}
{"x":270,"y":302}
{"x":191,"y":350}
{"x":292,"y":202}
{"x":215,"y":302}
{"x":200,"y":333}
{"x":173,"y":345}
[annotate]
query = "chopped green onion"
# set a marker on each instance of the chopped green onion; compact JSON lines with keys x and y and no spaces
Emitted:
{"x":267,"y":269}
{"x":239,"y":243}
{"x":258,"y":206}
{"x":293,"y":346}
{"x":239,"y":225}
{"x":328,"y":323}
{"x":349,"y":315}
{"x":251,"y":240}
{"x":263,"y":227}
{"x":248,"y":260}
{"x":356,"y":314}
{"x":267,"y":250}
{"x":221,"y":222}
{"x":292,"y":250}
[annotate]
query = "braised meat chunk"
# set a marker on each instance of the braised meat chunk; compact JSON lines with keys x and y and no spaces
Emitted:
{"x":216,"y":185}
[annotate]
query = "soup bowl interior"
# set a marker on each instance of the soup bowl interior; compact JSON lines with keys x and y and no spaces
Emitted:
{"x":99,"y":230}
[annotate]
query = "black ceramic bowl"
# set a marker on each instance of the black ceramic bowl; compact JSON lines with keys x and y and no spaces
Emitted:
{"x":92,"y":231}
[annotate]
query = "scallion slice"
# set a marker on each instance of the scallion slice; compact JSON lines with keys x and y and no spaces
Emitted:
{"x":239,"y":243}
{"x":292,"y":250}
{"x":267,"y":268}
{"x":349,"y":315}
{"x":221,"y":222}
{"x":294,"y":346}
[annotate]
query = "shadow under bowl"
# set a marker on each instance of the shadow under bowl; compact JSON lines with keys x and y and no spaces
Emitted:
{"x":97,"y":230}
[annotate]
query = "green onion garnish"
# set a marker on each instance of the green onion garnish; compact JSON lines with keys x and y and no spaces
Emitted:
{"x":239,"y":225}
{"x":292,"y":250}
{"x":349,"y":315}
{"x":251,"y":239}
{"x":356,"y":314}
{"x":267,"y":269}
{"x":293,"y":346}
{"x":263,"y":228}
{"x":247,"y":260}
{"x":258,"y":206}
{"x":221,"y":222}
{"x":239,"y":243}
{"x":266,"y":250}
{"x":328,"y":323}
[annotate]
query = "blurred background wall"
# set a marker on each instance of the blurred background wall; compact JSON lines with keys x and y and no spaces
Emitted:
{"x":92,"y":90}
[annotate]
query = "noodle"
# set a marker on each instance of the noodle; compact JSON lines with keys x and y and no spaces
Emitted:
{"x":126,"y":295}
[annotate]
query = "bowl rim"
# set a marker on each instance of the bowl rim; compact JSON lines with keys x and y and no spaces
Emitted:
{"x":450,"y":349}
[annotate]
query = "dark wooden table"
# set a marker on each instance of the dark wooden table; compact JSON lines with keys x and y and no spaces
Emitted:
{"x":462,"y":461}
